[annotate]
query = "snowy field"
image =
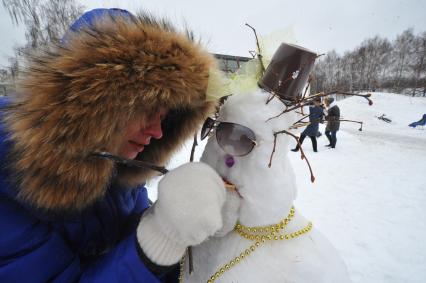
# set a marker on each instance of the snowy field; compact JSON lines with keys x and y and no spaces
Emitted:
{"x":369,"y":197}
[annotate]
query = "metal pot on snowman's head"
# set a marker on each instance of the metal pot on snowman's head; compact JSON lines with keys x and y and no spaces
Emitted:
{"x":288,"y":72}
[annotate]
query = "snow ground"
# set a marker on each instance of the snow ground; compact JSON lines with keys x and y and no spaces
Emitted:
{"x":369,"y":196}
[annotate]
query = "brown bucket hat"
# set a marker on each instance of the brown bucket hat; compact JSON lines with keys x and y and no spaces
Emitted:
{"x":288,"y":72}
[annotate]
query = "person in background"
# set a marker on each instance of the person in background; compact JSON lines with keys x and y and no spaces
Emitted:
{"x":333,"y":121}
{"x":128,"y":85}
{"x":315,"y":116}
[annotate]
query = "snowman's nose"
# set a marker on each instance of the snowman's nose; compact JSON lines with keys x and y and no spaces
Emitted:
{"x":229,"y":160}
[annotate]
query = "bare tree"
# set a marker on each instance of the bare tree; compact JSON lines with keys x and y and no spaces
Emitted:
{"x":45,"y":21}
{"x":402,"y":50}
{"x":419,"y":63}
{"x":375,"y":63}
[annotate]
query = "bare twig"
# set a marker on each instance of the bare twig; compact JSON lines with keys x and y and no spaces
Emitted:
{"x":302,"y":153}
{"x":194,"y":145}
{"x":359,"y":122}
{"x":306,"y":101}
{"x":300,"y":120}
{"x":307,"y":87}
{"x":189,"y":250}
{"x":299,"y":125}
{"x":259,"y":52}
{"x":366,"y":96}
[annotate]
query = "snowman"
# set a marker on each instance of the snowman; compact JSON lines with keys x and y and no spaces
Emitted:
{"x":264,"y":237}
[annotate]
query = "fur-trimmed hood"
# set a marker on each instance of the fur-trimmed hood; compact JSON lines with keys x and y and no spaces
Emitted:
{"x":76,"y":98}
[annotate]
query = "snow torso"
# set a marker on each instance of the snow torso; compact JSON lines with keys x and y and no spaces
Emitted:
{"x":307,"y":258}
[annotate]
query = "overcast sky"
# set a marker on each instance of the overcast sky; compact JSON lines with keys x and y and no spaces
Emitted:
{"x":318,"y":25}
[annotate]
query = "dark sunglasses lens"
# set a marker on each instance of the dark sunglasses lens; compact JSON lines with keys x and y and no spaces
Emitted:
{"x":207,"y":127}
{"x":235,"y":139}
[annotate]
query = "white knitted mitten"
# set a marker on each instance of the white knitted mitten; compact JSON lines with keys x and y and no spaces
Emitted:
{"x":187,"y":211}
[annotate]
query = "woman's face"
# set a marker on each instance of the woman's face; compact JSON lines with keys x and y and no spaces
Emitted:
{"x":138,"y":134}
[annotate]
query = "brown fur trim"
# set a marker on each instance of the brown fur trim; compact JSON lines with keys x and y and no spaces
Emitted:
{"x":77,"y":99}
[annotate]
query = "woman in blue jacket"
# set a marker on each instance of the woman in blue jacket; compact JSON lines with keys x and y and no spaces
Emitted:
{"x":316,"y":113}
{"x":129,"y":85}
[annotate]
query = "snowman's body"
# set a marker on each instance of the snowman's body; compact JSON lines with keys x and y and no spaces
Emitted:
{"x":267,"y":195}
{"x":307,"y":258}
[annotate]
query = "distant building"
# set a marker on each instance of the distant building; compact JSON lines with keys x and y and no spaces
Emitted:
{"x":230,"y":63}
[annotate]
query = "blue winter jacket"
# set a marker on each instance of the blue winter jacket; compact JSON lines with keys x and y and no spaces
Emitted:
{"x":95,"y":245}
{"x":315,"y":116}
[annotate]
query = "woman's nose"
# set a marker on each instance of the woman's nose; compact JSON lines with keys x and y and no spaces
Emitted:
{"x":154,"y":128}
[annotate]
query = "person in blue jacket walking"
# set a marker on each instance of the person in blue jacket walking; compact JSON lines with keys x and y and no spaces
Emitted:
{"x":129,"y":85}
{"x":316,"y":113}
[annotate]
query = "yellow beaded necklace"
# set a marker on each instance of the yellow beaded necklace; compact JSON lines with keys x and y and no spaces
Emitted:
{"x":259,"y":235}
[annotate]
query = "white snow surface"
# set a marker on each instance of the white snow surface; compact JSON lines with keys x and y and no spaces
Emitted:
{"x":369,"y":195}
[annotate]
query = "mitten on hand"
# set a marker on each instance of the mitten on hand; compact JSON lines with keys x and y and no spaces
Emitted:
{"x":187,"y":212}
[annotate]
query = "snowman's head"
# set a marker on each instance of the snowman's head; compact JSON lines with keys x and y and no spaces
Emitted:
{"x":240,"y":149}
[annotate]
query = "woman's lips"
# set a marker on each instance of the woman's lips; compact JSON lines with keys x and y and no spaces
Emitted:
{"x":137,"y":146}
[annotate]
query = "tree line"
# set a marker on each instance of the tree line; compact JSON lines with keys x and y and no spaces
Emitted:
{"x":397,"y":66}
{"x":45,"y":21}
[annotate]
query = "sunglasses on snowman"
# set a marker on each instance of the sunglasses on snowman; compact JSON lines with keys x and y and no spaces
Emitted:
{"x":234,"y":139}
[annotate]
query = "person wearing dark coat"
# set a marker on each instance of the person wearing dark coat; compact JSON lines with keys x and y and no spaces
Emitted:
{"x":316,"y":113}
{"x":333,"y":121}
{"x":134,"y":87}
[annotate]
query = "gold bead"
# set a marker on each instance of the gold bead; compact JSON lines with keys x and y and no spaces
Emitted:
{"x":257,"y":244}
{"x":232,"y":262}
{"x":222,"y":270}
{"x":276,"y":238}
{"x":209,"y":281}
{"x":217,"y":274}
{"x":227,"y":266}
{"x":254,"y":230}
{"x":237,"y":259}
{"x":287,"y":237}
{"x":282,"y":237}
{"x":261,"y":230}
{"x":252,"y":248}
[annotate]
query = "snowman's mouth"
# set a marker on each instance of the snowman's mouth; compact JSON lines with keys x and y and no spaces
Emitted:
{"x":231,"y":187}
